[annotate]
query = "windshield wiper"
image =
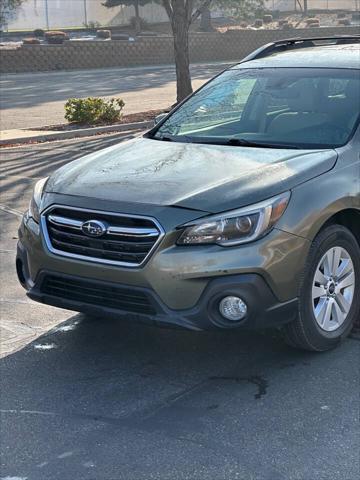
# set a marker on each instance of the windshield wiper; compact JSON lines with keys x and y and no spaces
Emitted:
{"x":236,"y":142}
{"x":242,"y":142}
{"x":165,"y":138}
{"x":173,"y":138}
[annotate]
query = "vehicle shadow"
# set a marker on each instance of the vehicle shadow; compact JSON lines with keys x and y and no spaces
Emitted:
{"x":88,"y":353}
{"x":93,"y":393}
{"x":84,"y":357}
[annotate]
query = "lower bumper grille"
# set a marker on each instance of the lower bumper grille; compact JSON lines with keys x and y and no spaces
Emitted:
{"x":96,"y":293}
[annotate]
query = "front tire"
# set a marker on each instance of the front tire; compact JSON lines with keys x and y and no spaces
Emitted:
{"x":329,"y":299}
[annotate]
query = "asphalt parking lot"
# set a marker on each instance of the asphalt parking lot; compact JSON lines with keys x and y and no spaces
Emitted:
{"x":98,"y":399}
{"x":37,"y":99}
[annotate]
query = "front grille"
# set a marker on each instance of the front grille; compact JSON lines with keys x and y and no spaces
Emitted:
{"x":97,"y":293}
{"x":124,"y":240}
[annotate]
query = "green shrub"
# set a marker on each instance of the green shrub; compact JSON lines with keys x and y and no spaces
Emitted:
{"x":38,"y":32}
{"x":112,"y":110}
{"x":93,"y":110}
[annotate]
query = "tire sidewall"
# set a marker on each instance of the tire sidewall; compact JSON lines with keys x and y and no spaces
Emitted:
{"x":335,"y":236}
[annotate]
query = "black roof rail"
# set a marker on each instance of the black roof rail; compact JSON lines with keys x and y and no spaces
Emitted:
{"x":297,"y":43}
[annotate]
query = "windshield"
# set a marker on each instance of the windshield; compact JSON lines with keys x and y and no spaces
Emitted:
{"x":299,"y":108}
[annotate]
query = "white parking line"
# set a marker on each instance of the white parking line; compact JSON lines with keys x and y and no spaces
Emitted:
{"x":7,"y":209}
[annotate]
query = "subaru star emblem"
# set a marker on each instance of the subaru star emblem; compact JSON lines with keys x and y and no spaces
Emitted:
{"x":93,"y":228}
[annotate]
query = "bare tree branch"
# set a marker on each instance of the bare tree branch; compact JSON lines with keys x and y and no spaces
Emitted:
{"x":191,"y":15}
{"x":168,"y":7}
{"x":189,"y":7}
{"x":205,"y":4}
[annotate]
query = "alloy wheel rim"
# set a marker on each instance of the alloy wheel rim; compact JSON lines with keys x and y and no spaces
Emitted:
{"x":333,"y":289}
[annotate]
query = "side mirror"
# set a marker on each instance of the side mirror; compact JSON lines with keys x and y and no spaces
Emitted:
{"x":159,"y":118}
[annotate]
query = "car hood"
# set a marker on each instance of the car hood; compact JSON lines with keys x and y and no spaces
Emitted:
{"x":210,"y":178}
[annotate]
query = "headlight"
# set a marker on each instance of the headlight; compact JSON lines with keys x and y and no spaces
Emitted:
{"x":34,"y":206}
{"x":238,"y":226}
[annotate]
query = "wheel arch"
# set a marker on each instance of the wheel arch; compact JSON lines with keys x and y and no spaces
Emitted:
{"x":349,"y":218}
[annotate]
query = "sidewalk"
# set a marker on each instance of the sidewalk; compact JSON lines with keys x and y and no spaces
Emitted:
{"x":17,"y":136}
{"x":21,"y":135}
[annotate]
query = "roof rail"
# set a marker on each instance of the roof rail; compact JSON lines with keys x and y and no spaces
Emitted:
{"x":297,"y":43}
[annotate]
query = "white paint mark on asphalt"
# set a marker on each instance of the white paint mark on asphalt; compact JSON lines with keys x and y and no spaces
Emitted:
{"x":13,"y":478}
{"x":65,"y":455}
{"x":42,"y":465}
{"x":37,"y":412}
{"x":44,"y":346}
{"x":68,"y":327}
{"x":65,"y":328}
{"x":28,"y":412}
{"x":7,"y":209}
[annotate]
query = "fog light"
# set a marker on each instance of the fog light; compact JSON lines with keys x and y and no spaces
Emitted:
{"x":233,"y":308}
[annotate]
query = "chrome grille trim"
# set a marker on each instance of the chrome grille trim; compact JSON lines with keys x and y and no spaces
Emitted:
{"x":66,"y":222}
{"x":75,"y":226}
{"x":133,"y":232}
{"x":123,"y":231}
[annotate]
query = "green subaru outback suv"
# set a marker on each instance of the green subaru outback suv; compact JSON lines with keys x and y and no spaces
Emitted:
{"x":239,"y":209}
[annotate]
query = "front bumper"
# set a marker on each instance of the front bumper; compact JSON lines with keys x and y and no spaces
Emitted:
{"x":184,"y":284}
{"x":103,"y":298}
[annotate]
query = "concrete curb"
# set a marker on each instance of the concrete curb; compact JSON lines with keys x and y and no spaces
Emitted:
{"x":83,"y":132}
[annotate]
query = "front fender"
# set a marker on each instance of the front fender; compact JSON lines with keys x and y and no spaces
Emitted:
{"x":313,"y":203}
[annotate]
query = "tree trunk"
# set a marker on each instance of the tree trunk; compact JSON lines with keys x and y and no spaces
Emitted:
{"x":305,"y":7}
{"x":205,"y":22}
{"x":298,"y":4}
{"x":137,"y":17}
{"x":180,"y":27}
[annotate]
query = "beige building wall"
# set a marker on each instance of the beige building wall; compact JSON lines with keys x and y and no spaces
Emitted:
{"x":289,"y":5}
{"x":72,"y":13}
